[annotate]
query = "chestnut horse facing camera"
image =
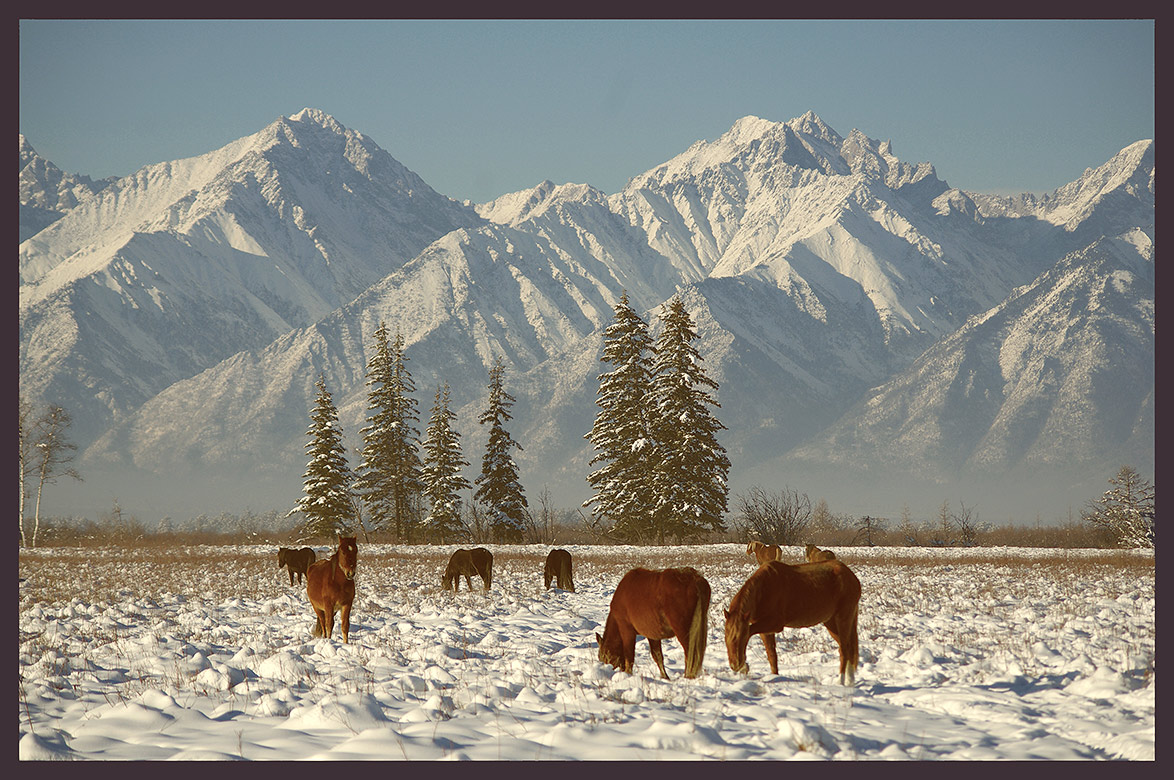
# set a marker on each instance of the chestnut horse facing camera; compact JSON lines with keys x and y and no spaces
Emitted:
{"x":468,"y":563}
{"x":657,"y":605}
{"x":297,"y":561}
{"x":764,"y":552}
{"x":778,"y":595}
{"x":558,"y":569}
{"x":815,"y":554}
{"x":330,"y":584}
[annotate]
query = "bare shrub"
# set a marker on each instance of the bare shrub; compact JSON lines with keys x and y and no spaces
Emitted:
{"x":775,"y":518}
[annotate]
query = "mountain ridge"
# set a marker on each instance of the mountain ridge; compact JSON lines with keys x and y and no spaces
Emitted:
{"x":819,"y":266}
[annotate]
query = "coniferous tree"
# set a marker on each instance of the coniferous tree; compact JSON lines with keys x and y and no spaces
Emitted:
{"x":442,"y":473}
{"x":622,"y":433}
{"x":390,"y":479}
{"x":1126,"y":513}
{"x":329,"y":500}
{"x":691,"y":466}
{"x":499,"y":489}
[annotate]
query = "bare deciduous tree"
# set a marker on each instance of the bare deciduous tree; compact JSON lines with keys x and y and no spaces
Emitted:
{"x":869,"y":531}
{"x":775,"y":518}
{"x":51,"y":453}
{"x":967,"y":524}
{"x":541,"y":529}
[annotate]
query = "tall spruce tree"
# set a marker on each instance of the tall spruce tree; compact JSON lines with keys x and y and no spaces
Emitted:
{"x":622,"y":433}
{"x":499,"y":491}
{"x":390,"y":478}
{"x":329,"y":500}
{"x":691,"y":467}
{"x":442,"y":473}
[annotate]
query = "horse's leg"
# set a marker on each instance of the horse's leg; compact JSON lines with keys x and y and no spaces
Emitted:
{"x":320,"y":621}
{"x":328,"y":621}
{"x":848,"y":640}
{"x":291,"y":574}
{"x":628,"y":645}
{"x":839,"y":632}
{"x":344,"y":622}
{"x":657,"y":655}
{"x":772,"y":652}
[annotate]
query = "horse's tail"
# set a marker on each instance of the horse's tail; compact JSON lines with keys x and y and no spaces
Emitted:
{"x":852,"y":656}
{"x":698,"y":629}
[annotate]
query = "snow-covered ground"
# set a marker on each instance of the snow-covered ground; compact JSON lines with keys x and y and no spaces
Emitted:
{"x":206,"y":653}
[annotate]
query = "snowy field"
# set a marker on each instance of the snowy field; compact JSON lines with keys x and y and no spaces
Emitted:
{"x":207,"y":653}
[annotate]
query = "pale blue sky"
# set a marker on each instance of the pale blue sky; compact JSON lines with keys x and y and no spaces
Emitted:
{"x":481,"y":108}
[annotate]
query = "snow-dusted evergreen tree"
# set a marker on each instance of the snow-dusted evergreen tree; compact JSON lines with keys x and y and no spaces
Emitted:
{"x":499,"y":490}
{"x":442,"y":473}
{"x":691,"y":467}
{"x":621,"y":433}
{"x":390,"y":478}
{"x":1126,"y":511}
{"x":328,"y":503}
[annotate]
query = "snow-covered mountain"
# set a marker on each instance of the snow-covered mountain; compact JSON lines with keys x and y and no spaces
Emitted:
{"x":166,"y":272}
{"x":1053,"y":386}
{"x":821,"y":271}
{"x":47,"y":192}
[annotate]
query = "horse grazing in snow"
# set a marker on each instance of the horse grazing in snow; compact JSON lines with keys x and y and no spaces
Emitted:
{"x":778,"y":595}
{"x":468,"y":563}
{"x":558,"y":568}
{"x":657,"y":605}
{"x":297,"y":561}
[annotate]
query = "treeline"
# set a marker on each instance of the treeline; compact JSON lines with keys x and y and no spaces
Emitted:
{"x":661,"y":474}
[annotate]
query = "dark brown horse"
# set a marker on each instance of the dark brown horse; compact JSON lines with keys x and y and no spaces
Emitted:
{"x":778,"y":595}
{"x":330,"y":584}
{"x":764,"y":552}
{"x":657,"y":605}
{"x":815,"y":554}
{"x":468,"y":563}
{"x":297,"y":561}
{"x":558,"y":568}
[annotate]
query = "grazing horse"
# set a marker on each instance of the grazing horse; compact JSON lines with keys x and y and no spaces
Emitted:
{"x":297,"y":561}
{"x":330,"y":584}
{"x":815,"y":554}
{"x":468,"y":563}
{"x":764,"y":552}
{"x":558,"y":568}
{"x":778,"y":595}
{"x":657,"y":605}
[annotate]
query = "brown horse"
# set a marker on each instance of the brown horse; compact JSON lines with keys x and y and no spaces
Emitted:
{"x":657,"y":605}
{"x":558,"y":568}
{"x":330,"y":584}
{"x":815,"y":554}
{"x":297,"y":561}
{"x":764,"y":552}
{"x":778,"y":596}
{"x":468,"y":563}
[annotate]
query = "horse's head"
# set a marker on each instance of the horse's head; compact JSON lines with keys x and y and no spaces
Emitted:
{"x":348,"y":555}
{"x":752,"y":548}
{"x":607,"y":654}
{"x":737,"y":637}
